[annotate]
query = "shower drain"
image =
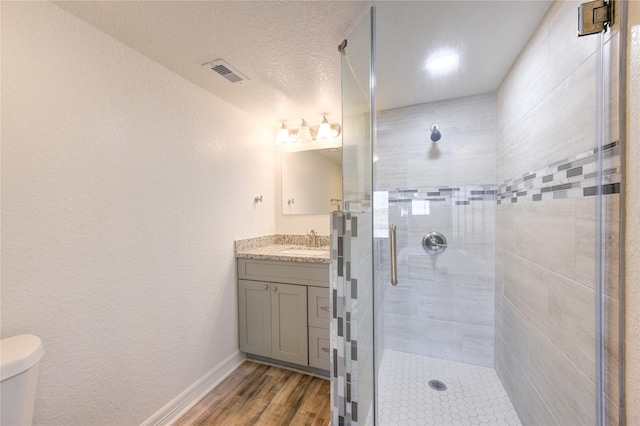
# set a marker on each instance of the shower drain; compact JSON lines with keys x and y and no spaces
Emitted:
{"x":437,"y":385}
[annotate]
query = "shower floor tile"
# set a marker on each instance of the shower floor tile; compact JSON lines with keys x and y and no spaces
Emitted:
{"x":474,"y":394}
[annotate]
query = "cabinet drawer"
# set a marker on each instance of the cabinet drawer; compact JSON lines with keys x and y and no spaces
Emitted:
{"x":319,"y":307}
{"x":319,"y":348}
{"x":316,"y":274}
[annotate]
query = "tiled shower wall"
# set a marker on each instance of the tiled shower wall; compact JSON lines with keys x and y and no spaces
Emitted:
{"x":545,"y":222}
{"x":443,"y":306}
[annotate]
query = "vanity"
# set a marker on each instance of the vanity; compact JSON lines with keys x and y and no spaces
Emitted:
{"x":283,"y":301}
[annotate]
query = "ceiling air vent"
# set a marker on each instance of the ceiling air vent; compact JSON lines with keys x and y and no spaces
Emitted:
{"x":223,"y":68}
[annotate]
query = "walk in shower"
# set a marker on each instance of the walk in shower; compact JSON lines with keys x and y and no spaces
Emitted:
{"x":475,"y":265}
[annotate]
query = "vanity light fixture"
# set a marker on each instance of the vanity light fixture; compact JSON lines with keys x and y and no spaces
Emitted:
{"x":306,"y":133}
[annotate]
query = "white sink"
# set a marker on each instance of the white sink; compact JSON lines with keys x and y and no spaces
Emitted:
{"x":304,"y":251}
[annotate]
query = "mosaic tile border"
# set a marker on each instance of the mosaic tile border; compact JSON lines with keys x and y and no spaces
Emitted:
{"x":455,"y":195}
{"x":570,"y":178}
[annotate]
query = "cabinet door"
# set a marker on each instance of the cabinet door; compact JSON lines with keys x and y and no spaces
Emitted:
{"x":254,"y":310}
{"x":289,"y":323}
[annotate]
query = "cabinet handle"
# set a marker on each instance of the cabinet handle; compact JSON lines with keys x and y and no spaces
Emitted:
{"x":325,"y":308}
{"x":275,"y":288}
{"x":326,"y":350}
{"x":266,"y":286}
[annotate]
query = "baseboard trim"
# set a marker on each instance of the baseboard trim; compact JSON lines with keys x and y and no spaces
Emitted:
{"x":309,"y":371}
{"x":194,"y":393}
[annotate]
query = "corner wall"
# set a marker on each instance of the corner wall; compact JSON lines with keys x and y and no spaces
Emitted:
{"x":546,"y":222}
{"x":123,"y":188}
{"x":632,"y":235}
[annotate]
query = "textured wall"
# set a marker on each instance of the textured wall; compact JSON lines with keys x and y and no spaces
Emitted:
{"x":633,"y":217}
{"x":545,"y":252}
{"x":123,"y":188}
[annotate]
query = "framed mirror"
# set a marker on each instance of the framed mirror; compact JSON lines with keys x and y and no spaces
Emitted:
{"x":312,"y":181}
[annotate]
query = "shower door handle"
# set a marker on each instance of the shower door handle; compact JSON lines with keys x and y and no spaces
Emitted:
{"x":393,"y":255}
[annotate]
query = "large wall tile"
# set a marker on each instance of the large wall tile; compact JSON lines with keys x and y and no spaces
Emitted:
{"x":505,"y":227}
{"x":473,"y":302}
{"x":527,"y":83}
{"x":568,"y":393}
{"x":473,"y":224}
{"x":612,"y":345}
{"x":526,"y":287}
{"x":545,"y":234}
{"x":499,"y":273}
{"x":528,"y":403}
{"x":586,"y":242}
{"x":511,"y":155}
{"x":514,"y":330}
{"x":571,"y":321}
{"x":477,"y":344}
{"x":556,"y":135}
{"x":562,"y":33}
{"x":464,"y":155}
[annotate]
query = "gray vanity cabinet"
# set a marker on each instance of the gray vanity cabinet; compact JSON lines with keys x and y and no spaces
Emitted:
{"x":273,"y":320}
{"x":283,"y":311}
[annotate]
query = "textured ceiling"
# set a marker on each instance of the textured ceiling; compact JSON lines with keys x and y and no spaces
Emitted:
{"x":289,"y":49}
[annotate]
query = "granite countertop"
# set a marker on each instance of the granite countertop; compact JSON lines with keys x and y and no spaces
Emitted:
{"x":289,"y":248}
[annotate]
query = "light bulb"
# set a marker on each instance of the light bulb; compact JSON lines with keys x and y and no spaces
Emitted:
{"x":443,"y":62}
{"x":324,"y":131}
{"x":304,"y":134}
{"x":283,"y":135}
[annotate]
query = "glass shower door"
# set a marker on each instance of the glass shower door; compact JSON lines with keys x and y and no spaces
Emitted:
{"x":487,"y":168}
{"x":352,"y":334}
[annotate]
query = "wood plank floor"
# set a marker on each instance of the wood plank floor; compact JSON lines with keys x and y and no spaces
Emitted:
{"x":258,"y":394}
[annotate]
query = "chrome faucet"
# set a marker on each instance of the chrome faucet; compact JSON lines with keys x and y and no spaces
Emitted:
{"x":313,"y":238}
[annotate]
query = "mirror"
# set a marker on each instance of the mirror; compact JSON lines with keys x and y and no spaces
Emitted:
{"x":312,"y":181}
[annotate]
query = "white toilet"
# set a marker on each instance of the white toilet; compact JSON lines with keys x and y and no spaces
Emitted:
{"x":19,"y":359}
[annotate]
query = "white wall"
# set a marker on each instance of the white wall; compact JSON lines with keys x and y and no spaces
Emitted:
{"x":123,"y":188}
{"x":633,"y":217}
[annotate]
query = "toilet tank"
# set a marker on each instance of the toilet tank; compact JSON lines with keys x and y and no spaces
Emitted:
{"x":19,"y":360}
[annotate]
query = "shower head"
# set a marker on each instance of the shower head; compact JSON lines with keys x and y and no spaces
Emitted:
{"x":435,"y":133}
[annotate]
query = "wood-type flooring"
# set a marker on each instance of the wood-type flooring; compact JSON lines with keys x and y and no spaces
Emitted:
{"x":262,"y":395}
